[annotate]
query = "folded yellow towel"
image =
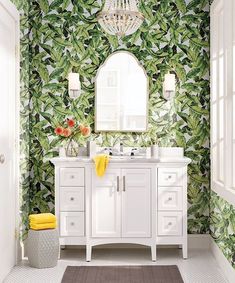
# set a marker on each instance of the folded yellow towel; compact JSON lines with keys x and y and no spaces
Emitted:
{"x":42,"y":218}
{"x":101,"y":163}
{"x":43,"y":226}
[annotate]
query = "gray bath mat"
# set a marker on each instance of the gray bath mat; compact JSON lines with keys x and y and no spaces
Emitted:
{"x":122,"y":274}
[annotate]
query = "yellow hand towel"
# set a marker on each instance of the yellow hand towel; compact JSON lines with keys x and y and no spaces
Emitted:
{"x":101,"y":163}
{"x":43,"y":226}
{"x":42,"y":218}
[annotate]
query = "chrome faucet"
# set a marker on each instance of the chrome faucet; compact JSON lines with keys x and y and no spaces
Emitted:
{"x":121,"y":150}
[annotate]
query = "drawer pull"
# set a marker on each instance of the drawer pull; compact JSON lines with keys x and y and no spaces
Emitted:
{"x":72,"y":223}
{"x":118,"y":184}
{"x":72,"y":198}
{"x":72,"y":177}
{"x":170,"y":223}
{"x":170,"y":198}
{"x":168,"y":177}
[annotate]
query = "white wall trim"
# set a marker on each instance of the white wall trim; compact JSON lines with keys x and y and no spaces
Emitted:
{"x":11,"y":9}
{"x":223,"y":263}
{"x":14,"y":13}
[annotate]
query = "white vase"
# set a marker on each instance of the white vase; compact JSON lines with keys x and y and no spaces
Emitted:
{"x":72,"y":149}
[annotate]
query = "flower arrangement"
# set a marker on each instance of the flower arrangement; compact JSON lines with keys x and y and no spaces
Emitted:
{"x":73,"y":131}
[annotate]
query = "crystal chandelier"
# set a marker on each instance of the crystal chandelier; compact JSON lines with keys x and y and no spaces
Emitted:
{"x":120,"y":17}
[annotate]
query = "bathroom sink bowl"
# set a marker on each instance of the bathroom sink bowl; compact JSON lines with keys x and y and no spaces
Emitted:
{"x":124,"y":158}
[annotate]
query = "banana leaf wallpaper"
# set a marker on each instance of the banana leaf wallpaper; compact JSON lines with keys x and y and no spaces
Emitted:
{"x":25,"y":109}
{"x":65,"y":36}
{"x":222,"y":218}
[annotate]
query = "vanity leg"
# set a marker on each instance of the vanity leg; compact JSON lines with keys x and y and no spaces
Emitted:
{"x":59,"y":255}
{"x":88,"y":252}
{"x":185,"y":250}
{"x":154,"y":252}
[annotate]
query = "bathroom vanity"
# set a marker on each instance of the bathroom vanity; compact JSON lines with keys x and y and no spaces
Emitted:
{"x":138,"y":201}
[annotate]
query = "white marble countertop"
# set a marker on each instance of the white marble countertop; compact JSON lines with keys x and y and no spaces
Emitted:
{"x":125,"y":159}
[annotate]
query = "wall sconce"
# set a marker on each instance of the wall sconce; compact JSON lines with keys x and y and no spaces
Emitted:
{"x":74,"y":85}
{"x":169,"y":86}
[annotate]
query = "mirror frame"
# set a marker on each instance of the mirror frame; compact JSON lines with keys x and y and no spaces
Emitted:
{"x":147,"y":95}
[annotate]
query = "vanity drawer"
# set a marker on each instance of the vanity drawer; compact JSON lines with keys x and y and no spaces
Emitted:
{"x":170,"y":223}
{"x":170,"y":176}
{"x":170,"y":198}
{"x":73,"y":177}
{"x":72,"y":224}
{"x":71,"y":198}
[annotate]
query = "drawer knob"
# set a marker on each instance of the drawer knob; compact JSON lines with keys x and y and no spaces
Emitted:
{"x":170,"y":198}
{"x":170,"y":223}
{"x":72,"y":223}
{"x":72,"y":198}
{"x":72,"y":177}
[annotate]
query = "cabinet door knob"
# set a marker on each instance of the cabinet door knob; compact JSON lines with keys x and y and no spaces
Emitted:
{"x":170,"y":223}
{"x":170,"y":198}
{"x":72,"y":177}
{"x":2,"y":158}
{"x":72,"y":223}
{"x":124,"y":183}
{"x":118,"y":184}
{"x":72,"y":198}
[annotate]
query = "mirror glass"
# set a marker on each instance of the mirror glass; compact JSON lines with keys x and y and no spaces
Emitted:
{"x":121,"y":94}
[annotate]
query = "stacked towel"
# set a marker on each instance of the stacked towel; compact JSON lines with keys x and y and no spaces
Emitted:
{"x":42,"y":221}
{"x":101,"y":163}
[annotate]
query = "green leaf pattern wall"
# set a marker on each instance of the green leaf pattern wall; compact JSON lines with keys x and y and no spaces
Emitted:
{"x":222,"y":226}
{"x":25,"y":109}
{"x":65,"y":36}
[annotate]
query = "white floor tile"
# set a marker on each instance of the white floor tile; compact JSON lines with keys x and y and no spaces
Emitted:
{"x":200,"y":267}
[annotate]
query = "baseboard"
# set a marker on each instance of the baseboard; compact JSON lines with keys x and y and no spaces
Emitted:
{"x":199,"y":241}
{"x":195,"y":241}
{"x":222,"y":261}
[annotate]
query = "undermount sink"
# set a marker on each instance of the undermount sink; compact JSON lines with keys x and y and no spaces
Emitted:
{"x":125,"y":158}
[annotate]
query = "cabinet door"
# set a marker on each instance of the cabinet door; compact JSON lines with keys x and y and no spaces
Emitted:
{"x":106,"y":204}
{"x":136,"y":203}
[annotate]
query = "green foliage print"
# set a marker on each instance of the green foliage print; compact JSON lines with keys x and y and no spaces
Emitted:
{"x":222,"y":225}
{"x":25,"y":163}
{"x":65,"y":36}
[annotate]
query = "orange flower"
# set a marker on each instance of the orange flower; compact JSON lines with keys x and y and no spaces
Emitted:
{"x":67,"y":132}
{"x":86,"y":131}
{"x":59,"y":131}
{"x":71,"y":123}
{"x":81,"y":126}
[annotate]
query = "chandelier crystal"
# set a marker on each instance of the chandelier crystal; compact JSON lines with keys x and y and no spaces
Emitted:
{"x":120,"y":17}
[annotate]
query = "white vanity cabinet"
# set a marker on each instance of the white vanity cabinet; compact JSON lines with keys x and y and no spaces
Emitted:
{"x":121,"y":203}
{"x":136,"y":202}
{"x":172,"y":206}
{"x":70,"y":202}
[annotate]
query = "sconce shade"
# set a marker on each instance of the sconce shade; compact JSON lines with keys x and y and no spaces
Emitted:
{"x":169,"y":83}
{"x":74,"y":81}
{"x":169,"y":86}
{"x":74,"y":85}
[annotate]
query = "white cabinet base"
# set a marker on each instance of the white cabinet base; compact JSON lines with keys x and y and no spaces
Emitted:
{"x":134,"y":203}
{"x":96,"y":242}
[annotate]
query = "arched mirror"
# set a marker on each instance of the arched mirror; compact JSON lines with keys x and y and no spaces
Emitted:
{"x":121,"y":95}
